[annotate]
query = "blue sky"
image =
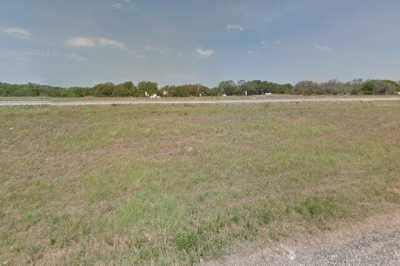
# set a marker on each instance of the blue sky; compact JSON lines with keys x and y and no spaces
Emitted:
{"x":84,"y":42}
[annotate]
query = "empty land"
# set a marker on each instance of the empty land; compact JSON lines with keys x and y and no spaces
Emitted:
{"x":177,"y":184}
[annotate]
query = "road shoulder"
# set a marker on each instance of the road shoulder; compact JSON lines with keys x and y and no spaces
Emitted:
{"x":376,"y":241}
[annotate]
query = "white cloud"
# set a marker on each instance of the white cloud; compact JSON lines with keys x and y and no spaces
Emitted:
{"x":323,"y":48}
{"x":89,"y":42}
{"x":81,"y":42}
{"x":17,"y":32}
{"x":205,"y":52}
{"x":250,"y":52}
{"x":234,"y":27}
{"x":120,"y":4}
{"x":110,"y":42}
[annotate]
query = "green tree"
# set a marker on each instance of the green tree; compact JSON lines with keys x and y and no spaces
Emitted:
{"x":306,"y":88}
{"x":228,"y":87}
{"x":125,"y":89}
{"x":104,"y":89}
{"x":147,"y":86}
{"x":379,"y":87}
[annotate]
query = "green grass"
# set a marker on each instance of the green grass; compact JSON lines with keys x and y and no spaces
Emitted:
{"x":169,"y":185}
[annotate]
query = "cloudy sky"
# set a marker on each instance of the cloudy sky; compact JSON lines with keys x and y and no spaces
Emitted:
{"x":82,"y":42}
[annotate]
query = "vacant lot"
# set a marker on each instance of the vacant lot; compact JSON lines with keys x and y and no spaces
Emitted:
{"x":174,"y":184}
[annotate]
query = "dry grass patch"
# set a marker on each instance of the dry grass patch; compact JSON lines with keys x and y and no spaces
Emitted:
{"x":172,"y":184}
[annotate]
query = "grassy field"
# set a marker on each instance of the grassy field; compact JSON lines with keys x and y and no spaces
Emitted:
{"x":169,"y":185}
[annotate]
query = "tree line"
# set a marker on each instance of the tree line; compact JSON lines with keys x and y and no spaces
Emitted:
{"x":224,"y":88}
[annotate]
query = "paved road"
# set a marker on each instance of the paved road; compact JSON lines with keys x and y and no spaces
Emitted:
{"x":196,"y":102}
{"x":377,"y":242}
{"x":373,"y":249}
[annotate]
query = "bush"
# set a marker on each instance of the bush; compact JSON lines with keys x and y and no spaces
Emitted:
{"x":104,"y":89}
{"x":380,"y":87}
{"x":146,"y":87}
{"x":124,"y":90}
{"x":307,"y":88}
{"x":188,"y":90}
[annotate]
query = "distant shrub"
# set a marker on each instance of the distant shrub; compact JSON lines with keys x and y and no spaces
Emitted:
{"x":187,"y":90}
{"x":124,"y":90}
{"x":148,"y":87}
{"x":307,"y":88}
{"x":104,"y":89}
{"x":380,"y":87}
{"x":355,"y":87}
